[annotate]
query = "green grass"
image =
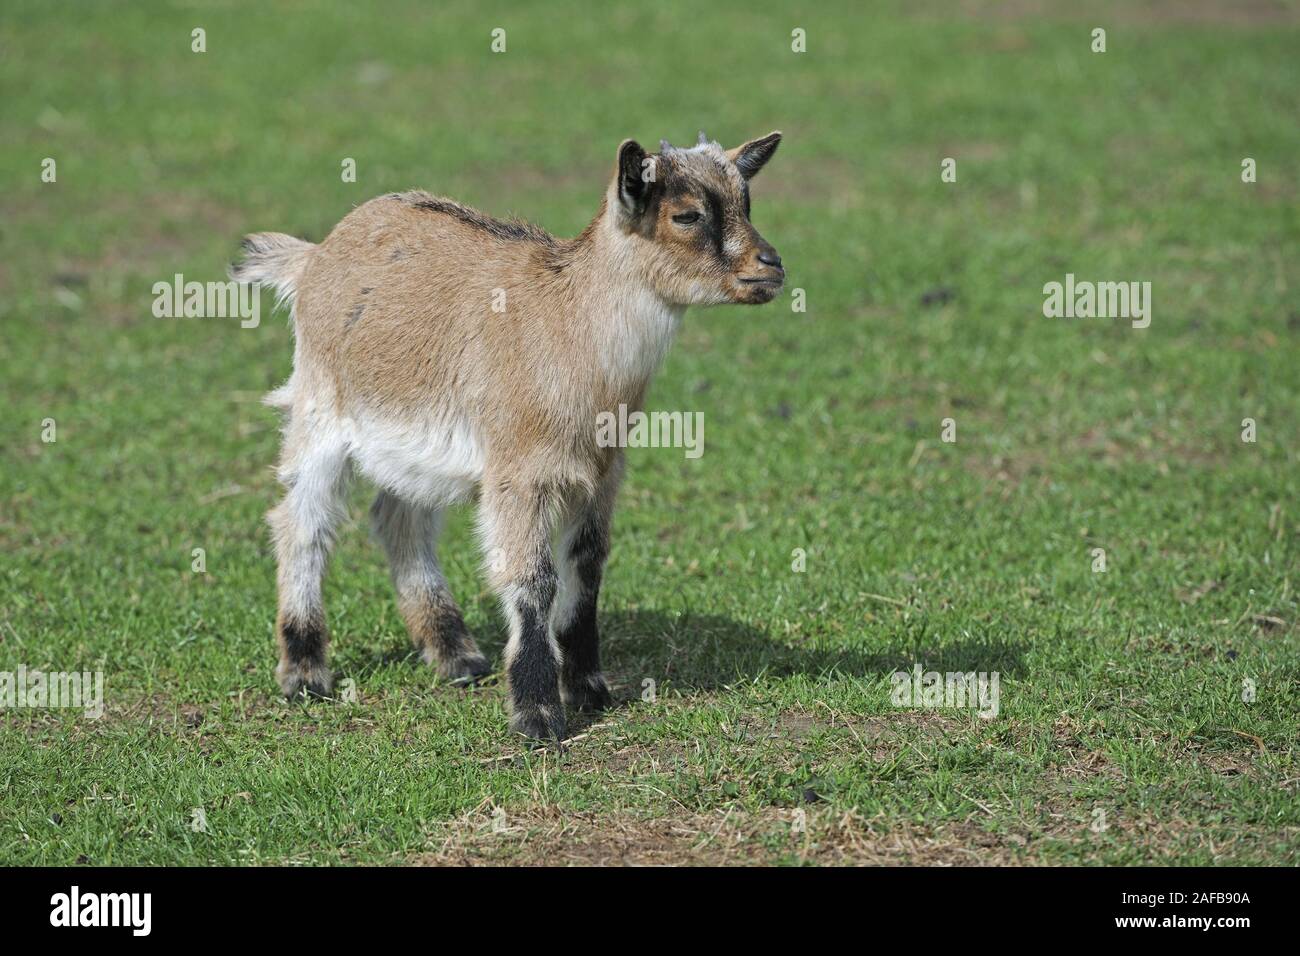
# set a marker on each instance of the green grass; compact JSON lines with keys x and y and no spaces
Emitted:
{"x":1121,"y":693}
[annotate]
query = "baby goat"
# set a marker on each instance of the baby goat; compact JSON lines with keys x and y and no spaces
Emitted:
{"x":442,"y":352}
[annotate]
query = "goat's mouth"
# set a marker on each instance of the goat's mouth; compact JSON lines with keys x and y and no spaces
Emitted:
{"x":761,"y":289}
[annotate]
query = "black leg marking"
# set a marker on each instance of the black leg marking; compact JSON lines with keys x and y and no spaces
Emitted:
{"x":579,"y":638}
{"x":302,"y":659}
{"x":536,"y":709}
{"x":439,"y":630}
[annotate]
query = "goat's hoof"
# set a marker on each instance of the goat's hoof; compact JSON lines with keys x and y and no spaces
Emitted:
{"x":464,"y":669}
{"x":540,"y":724}
{"x":305,"y":680}
{"x":588,"y":695}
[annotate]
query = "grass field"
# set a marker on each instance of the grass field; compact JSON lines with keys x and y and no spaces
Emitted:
{"x":1126,"y":731}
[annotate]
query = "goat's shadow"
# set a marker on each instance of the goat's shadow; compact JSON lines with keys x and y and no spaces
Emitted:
{"x":692,"y":653}
{"x":703,"y":652}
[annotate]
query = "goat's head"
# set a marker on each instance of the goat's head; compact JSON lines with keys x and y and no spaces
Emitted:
{"x":689,"y":209}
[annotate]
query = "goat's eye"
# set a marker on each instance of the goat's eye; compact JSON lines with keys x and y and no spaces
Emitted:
{"x":686,"y":218}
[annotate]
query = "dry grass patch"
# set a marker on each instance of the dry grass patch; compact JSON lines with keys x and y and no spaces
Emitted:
{"x":550,"y":836}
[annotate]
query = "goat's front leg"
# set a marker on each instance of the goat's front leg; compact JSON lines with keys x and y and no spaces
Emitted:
{"x":583,"y":548}
{"x":516,"y":525}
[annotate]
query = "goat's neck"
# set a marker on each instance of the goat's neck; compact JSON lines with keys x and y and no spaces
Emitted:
{"x":631,"y":325}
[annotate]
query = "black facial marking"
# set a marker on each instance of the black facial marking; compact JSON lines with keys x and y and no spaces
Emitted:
{"x":713,"y":220}
{"x":669,"y":187}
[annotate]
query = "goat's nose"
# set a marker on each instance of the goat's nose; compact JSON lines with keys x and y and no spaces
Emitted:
{"x":769,"y":258}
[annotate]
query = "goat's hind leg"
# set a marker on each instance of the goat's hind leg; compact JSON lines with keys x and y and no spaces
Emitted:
{"x":409,"y":534}
{"x":302,"y":525}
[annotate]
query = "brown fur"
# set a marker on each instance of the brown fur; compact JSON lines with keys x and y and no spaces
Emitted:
{"x":398,"y":345}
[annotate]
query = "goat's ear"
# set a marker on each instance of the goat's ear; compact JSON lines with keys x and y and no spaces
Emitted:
{"x":753,"y":156}
{"x":634,"y":178}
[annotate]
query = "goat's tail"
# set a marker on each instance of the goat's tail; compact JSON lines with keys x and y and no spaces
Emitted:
{"x":275,"y":260}
{"x":278,"y":261}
